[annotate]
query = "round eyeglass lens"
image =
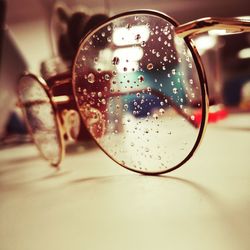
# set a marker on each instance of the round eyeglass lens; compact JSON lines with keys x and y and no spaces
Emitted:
{"x":41,"y":118}
{"x":138,"y":92}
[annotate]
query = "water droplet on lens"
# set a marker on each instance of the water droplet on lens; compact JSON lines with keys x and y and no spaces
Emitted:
{"x":103,"y":101}
{"x":107,"y":77}
{"x":155,"y":116}
{"x":141,"y":78}
{"x":125,"y":107}
{"x":158,"y":54}
{"x":190,"y":65}
{"x":192,"y":117}
{"x":161,"y":111}
{"x":83,"y":58}
{"x":125,"y":69}
{"x":99,"y":94}
{"x":166,"y":30}
{"x":109,"y":28}
{"x":161,"y":103}
{"x":150,"y":66}
{"x":175,"y":90}
{"x":138,"y":37}
{"x":91,"y":78}
{"x":115,"y":60}
{"x":143,"y":44}
{"x":103,"y":34}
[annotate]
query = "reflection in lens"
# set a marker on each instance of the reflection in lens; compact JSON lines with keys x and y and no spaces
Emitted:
{"x":40,"y":118}
{"x":137,"y":89}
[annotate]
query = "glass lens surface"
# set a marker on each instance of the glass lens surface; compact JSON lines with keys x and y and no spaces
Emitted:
{"x":138,"y":92}
{"x":40,"y":118}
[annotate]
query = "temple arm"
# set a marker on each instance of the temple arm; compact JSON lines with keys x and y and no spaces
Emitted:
{"x":230,"y":25}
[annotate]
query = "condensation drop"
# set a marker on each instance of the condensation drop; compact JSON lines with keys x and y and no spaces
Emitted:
{"x":99,"y":94}
{"x":138,"y":37}
{"x":91,"y":78}
{"x":141,"y":78}
{"x":150,"y":66}
{"x":155,"y":116}
{"x":166,"y":30}
{"x":115,"y":60}
{"x":107,"y":77}
{"x":175,"y":90}
{"x":125,"y":107}
{"x":143,"y":44}
{"x":161,"y":111}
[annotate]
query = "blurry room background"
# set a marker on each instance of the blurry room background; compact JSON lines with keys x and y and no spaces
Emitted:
{"x":226,"y":58}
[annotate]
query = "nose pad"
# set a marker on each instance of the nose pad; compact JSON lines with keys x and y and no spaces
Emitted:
{"x":72,"y":123}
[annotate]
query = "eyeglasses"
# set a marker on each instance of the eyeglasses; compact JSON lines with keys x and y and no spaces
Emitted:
{"x":140,"y":89}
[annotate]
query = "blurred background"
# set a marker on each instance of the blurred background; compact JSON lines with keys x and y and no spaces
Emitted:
{"x":27,"y":39}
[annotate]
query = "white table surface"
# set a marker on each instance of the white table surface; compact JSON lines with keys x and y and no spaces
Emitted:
{"x":92,"y":203}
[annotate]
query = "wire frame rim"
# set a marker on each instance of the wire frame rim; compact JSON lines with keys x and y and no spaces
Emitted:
{"x":59,"y":133}
{"x":201,"y":76}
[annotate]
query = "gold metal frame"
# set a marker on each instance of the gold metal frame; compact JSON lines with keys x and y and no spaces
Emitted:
{"x":201,"y":74}
{"x":58,"y":121}
{"x":186,"y":31}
